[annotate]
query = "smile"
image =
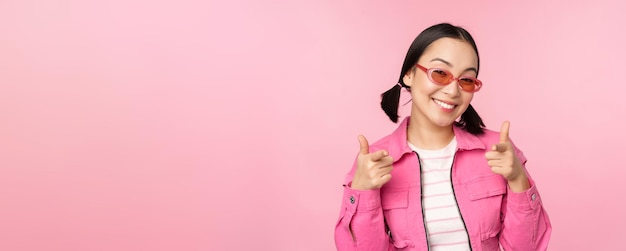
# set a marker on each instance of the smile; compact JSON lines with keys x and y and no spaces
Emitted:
{"x":444,"y":105}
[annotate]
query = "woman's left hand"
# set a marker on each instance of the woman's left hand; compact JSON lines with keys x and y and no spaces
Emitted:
{"x":503,"y":161}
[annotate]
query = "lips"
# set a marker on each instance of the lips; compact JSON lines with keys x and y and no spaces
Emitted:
{"x":445,"y":105}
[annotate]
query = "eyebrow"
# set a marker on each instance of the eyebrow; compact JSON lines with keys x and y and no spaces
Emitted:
{"x":449,"y":64}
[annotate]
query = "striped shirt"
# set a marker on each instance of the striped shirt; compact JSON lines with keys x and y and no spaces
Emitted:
{"x":444,"y":227}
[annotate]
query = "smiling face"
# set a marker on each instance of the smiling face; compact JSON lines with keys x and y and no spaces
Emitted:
{"x":436,"y":104}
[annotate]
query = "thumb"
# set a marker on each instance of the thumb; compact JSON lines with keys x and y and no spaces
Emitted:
{"x":365,"y":147}
{"x":504,"y":132}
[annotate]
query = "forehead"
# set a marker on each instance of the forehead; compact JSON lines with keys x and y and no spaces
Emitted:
{"x":456,"y":51}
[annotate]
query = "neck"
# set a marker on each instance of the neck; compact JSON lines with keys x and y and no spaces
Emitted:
{"x":426,"y":135}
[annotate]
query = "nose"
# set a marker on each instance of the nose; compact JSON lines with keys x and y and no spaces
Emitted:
{"x":453,"y":89}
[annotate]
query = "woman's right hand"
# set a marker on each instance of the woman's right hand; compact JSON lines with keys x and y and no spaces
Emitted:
{"x":373,"y":169}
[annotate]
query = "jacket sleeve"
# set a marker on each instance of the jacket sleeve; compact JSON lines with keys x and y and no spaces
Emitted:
{"x":526,"y":225}
{"x":360,"y":225}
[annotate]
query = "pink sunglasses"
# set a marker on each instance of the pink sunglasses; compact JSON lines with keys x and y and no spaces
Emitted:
{"x":444,"y":77}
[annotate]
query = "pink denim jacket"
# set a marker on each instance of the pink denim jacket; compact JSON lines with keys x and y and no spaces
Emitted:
{"x":390,"y":218}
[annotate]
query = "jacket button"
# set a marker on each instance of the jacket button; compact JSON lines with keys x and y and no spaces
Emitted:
{"x":533,"y":197}
{"x":351,"y":199}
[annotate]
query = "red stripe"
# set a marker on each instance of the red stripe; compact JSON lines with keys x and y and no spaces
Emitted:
{"x":436,"y":182}
{"x":447,"y":232}
{"x":449,"y":244}
{"x":436,"y":195}
{"x":442,"y":157}
{"x":436,"y":170}
{"x":439,"y":207}
{"x":444,"y":219}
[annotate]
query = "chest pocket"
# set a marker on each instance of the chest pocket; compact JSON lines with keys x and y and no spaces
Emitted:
{"x":486,"y":194}
{"x":395,"y":199}
{"x":395,"y":205}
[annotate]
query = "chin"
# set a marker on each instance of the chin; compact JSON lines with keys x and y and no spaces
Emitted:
{"x":443,"y":123}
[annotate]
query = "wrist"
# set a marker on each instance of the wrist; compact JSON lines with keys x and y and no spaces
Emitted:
{"x":355,"y":185}
{"x":519,"y":183}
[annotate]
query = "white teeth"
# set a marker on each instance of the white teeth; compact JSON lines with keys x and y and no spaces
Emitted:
{"x":444,"y":105}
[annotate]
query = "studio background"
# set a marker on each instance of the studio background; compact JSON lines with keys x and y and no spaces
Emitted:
{"x":229,"y":125}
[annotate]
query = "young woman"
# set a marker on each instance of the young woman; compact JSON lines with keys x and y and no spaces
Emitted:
{"x":441,"y":181}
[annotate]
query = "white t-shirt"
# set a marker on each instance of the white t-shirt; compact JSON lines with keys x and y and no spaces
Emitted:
{"x":444,"y":227}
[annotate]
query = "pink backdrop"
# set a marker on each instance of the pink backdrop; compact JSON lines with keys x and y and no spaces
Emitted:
{"x":194,"y":125}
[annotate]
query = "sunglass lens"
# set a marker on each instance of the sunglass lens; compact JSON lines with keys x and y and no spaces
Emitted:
{"x":468,"y":84}
{"x":441,"y":76}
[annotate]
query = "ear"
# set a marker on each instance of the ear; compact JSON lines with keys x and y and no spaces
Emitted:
{"x":408,"y":78}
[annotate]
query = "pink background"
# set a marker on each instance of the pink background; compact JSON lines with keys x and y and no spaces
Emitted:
{"x":194,"y":125}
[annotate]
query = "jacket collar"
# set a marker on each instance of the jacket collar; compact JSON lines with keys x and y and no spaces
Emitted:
{"x":398,"y":145}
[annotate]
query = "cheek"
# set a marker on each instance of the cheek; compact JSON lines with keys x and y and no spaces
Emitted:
{"x":467,"y":98}
{"x":425,"y":88}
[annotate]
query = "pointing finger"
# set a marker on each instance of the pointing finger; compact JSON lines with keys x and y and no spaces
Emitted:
{"x":378,"y":155}
{"x":500,"y":147}
{"x":384,"y":162}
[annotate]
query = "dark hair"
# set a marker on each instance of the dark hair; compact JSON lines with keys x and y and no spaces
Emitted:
{"x":470,"y":121}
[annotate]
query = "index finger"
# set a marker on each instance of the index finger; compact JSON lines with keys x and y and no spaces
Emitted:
{"x":504,"y":131}
{"x":378,"y":155}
